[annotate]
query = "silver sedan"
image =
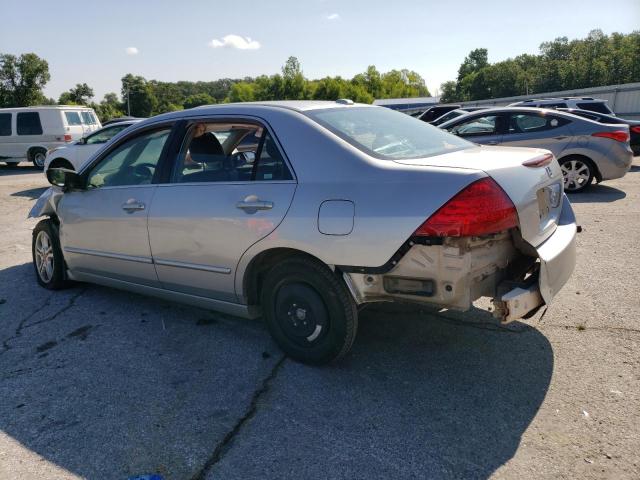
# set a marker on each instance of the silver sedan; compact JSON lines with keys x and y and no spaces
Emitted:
{"x":303,"y":212}
{"x":585,"y":149}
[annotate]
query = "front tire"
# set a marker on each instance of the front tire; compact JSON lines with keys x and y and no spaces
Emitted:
{"x":577,"y":173}
{"x":48,"y":261}
{"x":309,"y":311}
{"x":38,"y":156}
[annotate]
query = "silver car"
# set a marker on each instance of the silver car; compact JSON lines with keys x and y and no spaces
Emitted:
{"x":303,"y":212}
{"x":584,"y":148}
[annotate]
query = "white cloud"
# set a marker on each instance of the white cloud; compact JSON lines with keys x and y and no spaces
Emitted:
{"x":235,"y":41}
{"x":131,"y":51}
{"x":333,"y":16}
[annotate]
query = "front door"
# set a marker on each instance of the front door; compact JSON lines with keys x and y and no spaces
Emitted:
{"x":103,"y":229}
{"x":230,"y":187}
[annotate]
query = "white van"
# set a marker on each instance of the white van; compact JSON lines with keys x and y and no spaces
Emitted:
{"x":27,"y":133}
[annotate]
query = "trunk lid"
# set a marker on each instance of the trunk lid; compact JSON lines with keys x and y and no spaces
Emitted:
{"x":536,"y":192}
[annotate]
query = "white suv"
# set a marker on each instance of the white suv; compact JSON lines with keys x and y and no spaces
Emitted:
{"x":584,"y":103}
{"x":27,"y":133}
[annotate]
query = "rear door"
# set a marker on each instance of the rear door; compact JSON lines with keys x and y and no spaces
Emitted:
{"x":483,"y":129}
{"x":221,"y":198}
{"x":538,"y":130}
{"x":104,"y":227}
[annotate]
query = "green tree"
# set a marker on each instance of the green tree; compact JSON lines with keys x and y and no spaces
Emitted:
{"x":81,"y":94}
{"x":139,"y":95}
{"x":22,"y":79}
{"x":242,"y":92}
{"x":197,"y":100}
{"x":293,"y":79}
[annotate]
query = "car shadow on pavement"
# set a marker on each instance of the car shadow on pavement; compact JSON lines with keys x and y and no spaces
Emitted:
{"x":21,"y":169}
{"x":107,"y":384}
{"x":32,"y":193}
{"x":597,"y":193}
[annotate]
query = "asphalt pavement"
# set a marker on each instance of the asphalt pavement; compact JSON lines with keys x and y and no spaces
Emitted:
{"x":102,"y":384}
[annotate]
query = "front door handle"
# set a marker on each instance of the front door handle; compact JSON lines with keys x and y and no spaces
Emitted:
{"x":492,"y":142}
{"x":132,"y":205}
{"x":561,"y":137}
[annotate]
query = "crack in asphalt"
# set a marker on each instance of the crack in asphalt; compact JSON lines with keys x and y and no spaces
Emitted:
{"x":585,"y":328}
{"x":225,"y":444}
{"x":23,"y":323}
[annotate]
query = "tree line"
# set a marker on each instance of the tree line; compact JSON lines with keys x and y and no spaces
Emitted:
{"x":23,"y":78}
{"x":561,"y":64}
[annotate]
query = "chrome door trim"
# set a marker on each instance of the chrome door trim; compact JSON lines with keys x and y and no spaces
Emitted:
{"x":117,"y":256}
{"x":192,"y":266}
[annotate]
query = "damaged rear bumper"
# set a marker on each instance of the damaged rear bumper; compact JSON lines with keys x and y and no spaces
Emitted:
{"x":457,"y":271}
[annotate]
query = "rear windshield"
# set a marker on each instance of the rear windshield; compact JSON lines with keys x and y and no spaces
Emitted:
{"x":73,"y":118}
{"x":88,"y":118}
{"x":595,"y":107}
{"x":386,"y":134}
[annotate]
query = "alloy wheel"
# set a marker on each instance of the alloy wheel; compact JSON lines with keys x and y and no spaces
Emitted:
{"x":44,"y":256}
{"x":576,"y":175}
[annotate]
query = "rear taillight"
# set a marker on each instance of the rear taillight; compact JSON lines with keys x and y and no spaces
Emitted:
{"x":635,"y":129}
{"x":617,"y":135}
{"x":67,"y":137}
{"x":540,"y":161}
{"x":479,"y":209}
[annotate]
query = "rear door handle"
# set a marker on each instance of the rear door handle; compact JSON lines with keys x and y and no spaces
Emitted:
{"x":492,"y":142}
{"x":254,"y":205}
{"x":561,"y":137}
{"x":132,"y":205}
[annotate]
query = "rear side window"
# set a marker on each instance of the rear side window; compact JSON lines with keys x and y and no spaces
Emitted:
{"x":599,"y":107}
{"x":73,"y":118}
{"x":5,"y":124}
{"x":531,"y":122}
{"x":271,"y":165}
{"x":553,"y":105}
{"x":28,"y":123}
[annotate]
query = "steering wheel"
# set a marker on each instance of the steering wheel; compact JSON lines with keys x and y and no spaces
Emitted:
{"x":144,"y":172}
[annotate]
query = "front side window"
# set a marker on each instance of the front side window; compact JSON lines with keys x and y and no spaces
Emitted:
{"x":553,"y":105}
{"x":73,"y":118}
{"x":132,"y":163}
{"x":387,"y":134}
{"x":532,"y":122}
{"x":104,"y":135}
{"x":28,"y":123}
{"x":5,"y":124}
{"x":484,"y":125}
{"x":229,"y":152}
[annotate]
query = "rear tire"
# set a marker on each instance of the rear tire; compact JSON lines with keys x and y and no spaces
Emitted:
{"x":37,"y":157}
{"x":48,"y":261}
{"x":577,"y":172}
{"x":309,"y":311}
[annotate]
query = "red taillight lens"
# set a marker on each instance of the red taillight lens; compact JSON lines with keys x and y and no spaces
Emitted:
{"x":635,"y":129}
{"x":480,"y":209}
{"x":67,"y":137}
{"x":618,"y":135}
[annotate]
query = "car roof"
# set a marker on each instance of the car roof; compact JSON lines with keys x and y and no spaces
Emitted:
{"x":298,"y":105}
{"x":50,"y":107}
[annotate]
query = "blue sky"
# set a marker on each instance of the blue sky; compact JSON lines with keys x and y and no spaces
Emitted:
{"x":99,"y":42}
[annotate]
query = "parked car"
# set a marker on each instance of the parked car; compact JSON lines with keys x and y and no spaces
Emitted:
{"x":448,"y":116}
{"x":634,"y":125}
{"x":585,"y":149}
{"x":120,"y":119}
{"x":436,"y":111}
{"x":584,"y":103}
{"x":337,"y":206}
{"x":74,"y":155}
{"x":27,"y":133}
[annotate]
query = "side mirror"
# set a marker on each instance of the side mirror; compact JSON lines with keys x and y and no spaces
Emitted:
{"x":64,"y":178}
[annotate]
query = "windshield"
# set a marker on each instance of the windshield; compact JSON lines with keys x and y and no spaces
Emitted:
{"x":386,"y":134}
